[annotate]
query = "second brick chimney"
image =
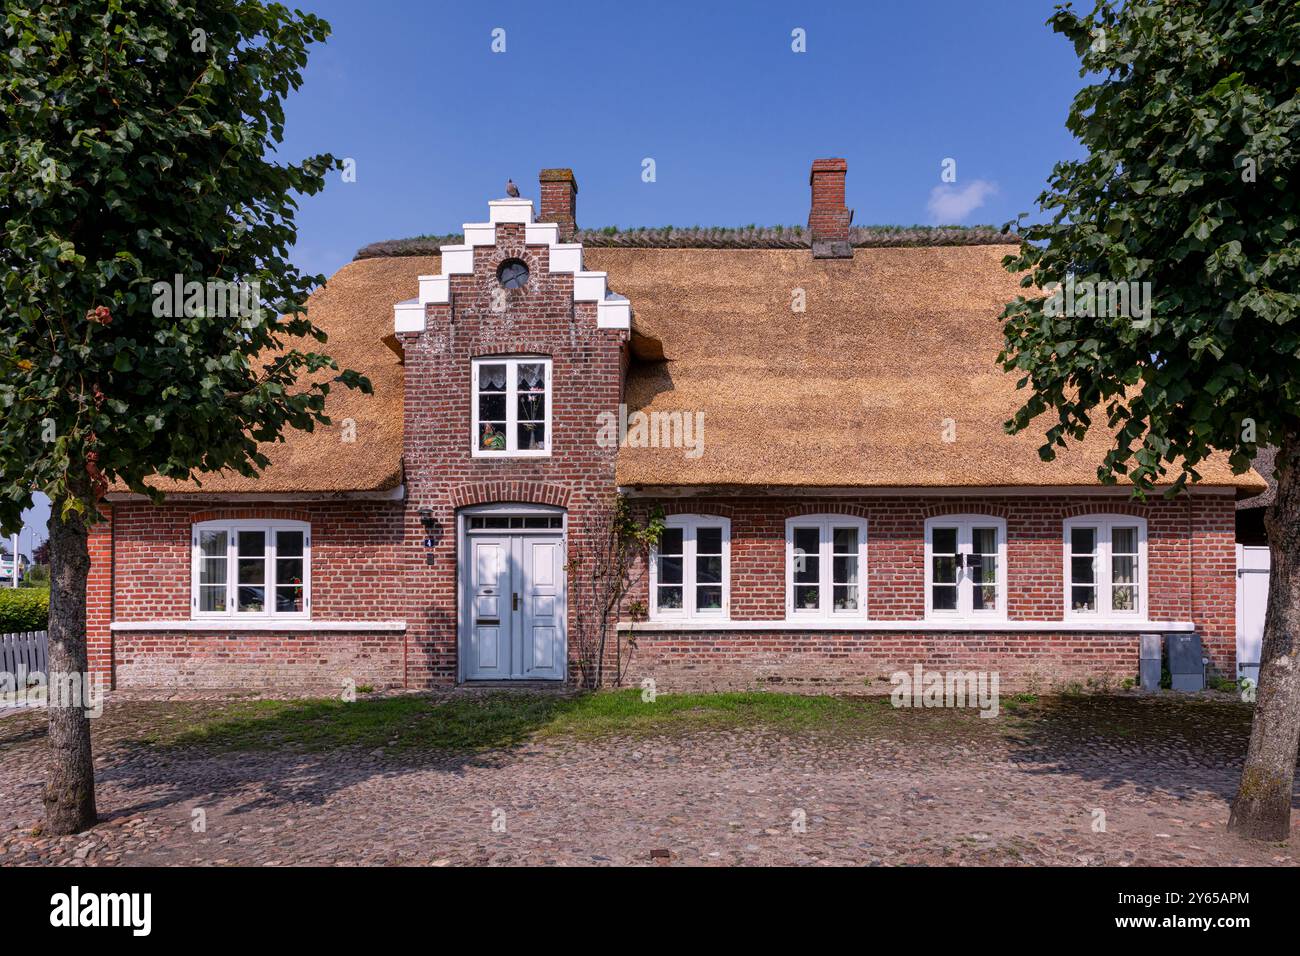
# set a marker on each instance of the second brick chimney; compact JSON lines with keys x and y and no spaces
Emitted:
{"x":828,"y":218}
{"x":559,"y":201}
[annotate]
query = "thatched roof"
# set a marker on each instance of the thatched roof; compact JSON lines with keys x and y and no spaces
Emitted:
{"x":852,"y":392}
{"x":355,"y":308}
{"x":1264,"y":465}
{"x":895,"y":347}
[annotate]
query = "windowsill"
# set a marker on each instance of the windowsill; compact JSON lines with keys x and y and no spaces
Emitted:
{"x":510,"y":454}
{"x":1084,"y":619}
{"x":978,"y":620}
{"x":691,"y":619}
{"x":262,"y":624}
{"x":820,"y":618}
{"x":1074,"y":626}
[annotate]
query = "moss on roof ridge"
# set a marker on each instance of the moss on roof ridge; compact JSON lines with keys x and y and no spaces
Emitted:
{"x":724,"y":237}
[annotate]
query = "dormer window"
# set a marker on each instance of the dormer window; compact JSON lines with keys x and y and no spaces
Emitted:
{"x":512,"y":407}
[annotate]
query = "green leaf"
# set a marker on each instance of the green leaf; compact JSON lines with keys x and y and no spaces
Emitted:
{"x":149,"y":148}
{"x":1188,"y":128}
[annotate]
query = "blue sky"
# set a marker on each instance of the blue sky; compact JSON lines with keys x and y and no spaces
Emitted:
{"x":712,"y":92}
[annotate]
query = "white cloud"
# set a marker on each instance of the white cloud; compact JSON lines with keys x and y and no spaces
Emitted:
{"x":950,"y":203}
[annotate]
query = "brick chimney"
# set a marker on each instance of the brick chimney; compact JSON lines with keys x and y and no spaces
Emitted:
{"x":828,"y":219}
{"x":559,"y":201}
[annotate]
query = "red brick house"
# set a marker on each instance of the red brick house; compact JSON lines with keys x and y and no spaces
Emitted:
{"x":819,"y":413}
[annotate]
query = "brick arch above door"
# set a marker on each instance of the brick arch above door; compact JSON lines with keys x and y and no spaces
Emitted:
{"x":514,"y":492}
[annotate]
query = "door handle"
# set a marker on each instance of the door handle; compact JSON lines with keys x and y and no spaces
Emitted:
{"x":514,"y":601}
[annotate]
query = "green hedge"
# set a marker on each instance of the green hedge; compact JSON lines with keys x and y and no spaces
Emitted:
{"x":24,"y":609}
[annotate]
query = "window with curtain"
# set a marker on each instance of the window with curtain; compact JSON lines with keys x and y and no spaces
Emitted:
{"x":965,"y":567}
{"x":690,"y":568}
{"x":249,"y":569}
{"x":511,"y":407}
{"x":826,"y":558}
{"x":1105,"y":566}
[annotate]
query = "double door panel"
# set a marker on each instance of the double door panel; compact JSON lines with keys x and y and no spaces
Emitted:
{"x":514,"y":605}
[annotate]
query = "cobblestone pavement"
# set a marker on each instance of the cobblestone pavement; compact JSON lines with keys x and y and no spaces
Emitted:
{"x":909,"y":794}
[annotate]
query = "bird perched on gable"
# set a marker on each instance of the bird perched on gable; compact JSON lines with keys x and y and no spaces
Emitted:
{"x":511,"y":189}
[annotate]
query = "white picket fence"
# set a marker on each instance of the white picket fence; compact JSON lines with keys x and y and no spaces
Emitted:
{"x":27,"y":651}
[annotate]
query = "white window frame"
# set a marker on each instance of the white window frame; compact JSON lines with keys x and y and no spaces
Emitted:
{"x":1105,"y":525}
{"x":232,"y":528}
{"x":826,"y":584}
{"x":690,"y":525}
{"x":512,"y":363}
{"x":965,"y":610}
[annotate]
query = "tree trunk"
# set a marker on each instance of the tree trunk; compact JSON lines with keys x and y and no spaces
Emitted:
{"x":70,"y":790}
{"x":1263,"y":806}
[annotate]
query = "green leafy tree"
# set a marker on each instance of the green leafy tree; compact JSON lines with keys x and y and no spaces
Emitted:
{"x":1189,"y":184}
{"x":134,"y":149}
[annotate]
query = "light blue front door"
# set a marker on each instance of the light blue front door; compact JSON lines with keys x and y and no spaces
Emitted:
{"x":542,"y":620}
{"x":489,"y":609}
{"x":513,"y":606}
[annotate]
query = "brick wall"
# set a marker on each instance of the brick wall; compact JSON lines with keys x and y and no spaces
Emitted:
{"x":99,"y":596}
{"x":359,"y":566}
{"x":256,"y":660}
{"x":1191,"y":533}
{"x":858,"y":662}
{"x":359,"y":557}
{"x":368,"y":564}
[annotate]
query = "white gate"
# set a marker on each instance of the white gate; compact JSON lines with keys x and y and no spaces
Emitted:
{"x":1252,"y":603}
{"x":24,"y":651}
{"x":22,"y":655}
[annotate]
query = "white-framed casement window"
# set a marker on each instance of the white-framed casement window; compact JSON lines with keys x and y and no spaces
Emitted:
{"x":1105,"y":566}
{"x":826,"y":566}
{"x":251,"y":569}
{"x":690,"y":569}
{"x":511,"y":407}
{"x":965,"y":567}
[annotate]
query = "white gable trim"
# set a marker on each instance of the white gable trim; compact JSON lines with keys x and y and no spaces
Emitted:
{"x":613,"y":311}
{"x":510,"y":210}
